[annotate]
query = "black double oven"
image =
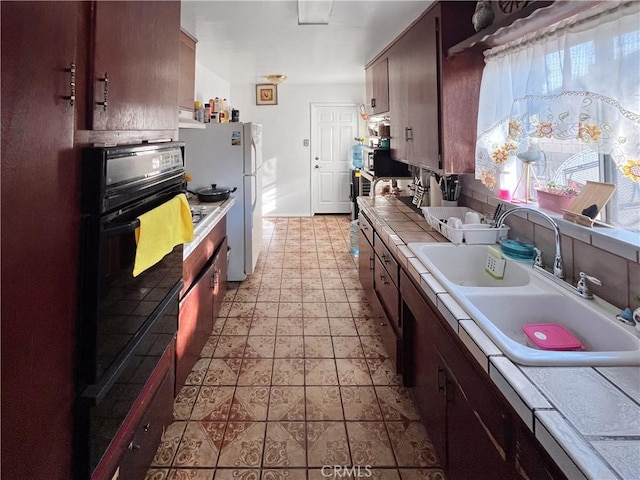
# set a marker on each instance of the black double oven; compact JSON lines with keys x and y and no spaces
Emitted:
{"x":126,"y":323}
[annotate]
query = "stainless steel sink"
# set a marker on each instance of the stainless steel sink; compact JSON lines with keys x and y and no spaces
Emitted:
{"x":502,"y":307}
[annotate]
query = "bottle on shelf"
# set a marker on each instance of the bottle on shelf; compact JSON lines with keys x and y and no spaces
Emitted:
{"x":198,"y":112}
{"x":207,"y":113}
{"x":225,"y":110}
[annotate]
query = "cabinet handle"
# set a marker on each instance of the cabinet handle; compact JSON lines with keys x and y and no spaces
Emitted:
{"x":214,"y":279}
{"x":442,"y":380}
{"x":105,"y":103}
{"x":385,"y":258}
{"x":133,"y":446}
{"x":146,"y":427}
{"x":384,"y":280}
{"x":371,"y":263}
{"x":408,"y":134}
{"x":72,"y":84}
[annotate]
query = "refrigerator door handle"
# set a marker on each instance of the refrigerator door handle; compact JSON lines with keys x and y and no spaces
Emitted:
{"x":253,"y":177}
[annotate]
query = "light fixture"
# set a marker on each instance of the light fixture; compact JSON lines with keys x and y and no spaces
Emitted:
{"x":314,"y":12}
{"x":276,"y":79}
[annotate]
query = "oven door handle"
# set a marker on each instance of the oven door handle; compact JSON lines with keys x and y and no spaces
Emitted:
{"x":95,"y":393}
{"x":120,"y":228}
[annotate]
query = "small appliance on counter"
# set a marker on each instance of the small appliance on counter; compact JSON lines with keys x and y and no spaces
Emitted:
{"x":379,"y":162}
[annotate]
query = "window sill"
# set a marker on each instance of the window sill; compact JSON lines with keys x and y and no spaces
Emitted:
{"x":620,"y":242}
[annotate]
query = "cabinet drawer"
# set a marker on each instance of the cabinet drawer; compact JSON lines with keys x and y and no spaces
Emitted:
{"x":194,"y":263}
{"x":388,"y":294}
{"x":386,"y":259}
{"x":366,"y":227}
{"x":144,"y":443}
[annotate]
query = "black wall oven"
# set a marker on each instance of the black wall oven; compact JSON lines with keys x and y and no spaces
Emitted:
{"x":126,"y":323}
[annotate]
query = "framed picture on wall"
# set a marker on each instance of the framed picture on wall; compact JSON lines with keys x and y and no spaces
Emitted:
{"x":266,"y":94}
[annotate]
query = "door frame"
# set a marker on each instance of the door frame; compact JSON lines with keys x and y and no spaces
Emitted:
{"x":312,"y":113}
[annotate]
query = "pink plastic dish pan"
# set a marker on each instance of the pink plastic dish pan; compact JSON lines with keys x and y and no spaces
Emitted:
{"x":551,"y":336}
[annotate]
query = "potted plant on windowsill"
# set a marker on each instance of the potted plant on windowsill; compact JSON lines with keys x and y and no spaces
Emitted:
{"x":556,"y":197}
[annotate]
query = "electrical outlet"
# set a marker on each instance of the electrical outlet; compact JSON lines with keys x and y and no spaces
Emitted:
{"x":305,"y":142}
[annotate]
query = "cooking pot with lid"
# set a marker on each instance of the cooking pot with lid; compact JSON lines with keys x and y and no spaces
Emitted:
{"x":215,"y":193}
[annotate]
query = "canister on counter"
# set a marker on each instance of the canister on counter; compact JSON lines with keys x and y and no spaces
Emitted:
{"x":235,"y":115}
{"x":215,"y":117}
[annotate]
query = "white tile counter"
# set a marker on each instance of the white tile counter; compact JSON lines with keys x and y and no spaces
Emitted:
{"x":204,"y":226}
{"x":587,"y":418}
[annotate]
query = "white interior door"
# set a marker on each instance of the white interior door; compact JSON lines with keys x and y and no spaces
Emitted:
{"x":333,"y":129}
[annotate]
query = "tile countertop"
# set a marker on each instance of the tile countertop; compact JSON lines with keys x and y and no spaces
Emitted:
{"x":204,"y":226}
{"x":587,"y":418}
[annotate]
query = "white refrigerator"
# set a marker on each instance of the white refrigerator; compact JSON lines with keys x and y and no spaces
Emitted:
{"x":230,"y":155}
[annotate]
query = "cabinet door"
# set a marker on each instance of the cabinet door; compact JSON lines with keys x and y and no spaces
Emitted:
{"x":365,"y":263}
{"x":427,"y":376}
{"x":187,"y":80}
{"x":532,"y":461}
{"x":139,"y":453}
{"x":398,"y":99}
{"x":40,"y":226}
{"x":195,"y":323}
{"x":470,"y":451}
{"x":220,"y":265}
{"x":136,"y":65}
{"x":380,"y":86}
{"x":423,"y":146}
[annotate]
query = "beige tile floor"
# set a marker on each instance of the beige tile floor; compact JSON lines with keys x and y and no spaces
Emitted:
{"x":294,"y":379}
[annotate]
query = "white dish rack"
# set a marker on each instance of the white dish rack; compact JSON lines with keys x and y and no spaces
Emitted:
{"x":472,"y":234}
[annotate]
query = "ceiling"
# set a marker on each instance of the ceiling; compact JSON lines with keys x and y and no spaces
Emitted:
{"x":241,"y":41}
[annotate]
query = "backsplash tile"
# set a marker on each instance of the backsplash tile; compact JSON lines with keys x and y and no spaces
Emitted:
{"x":609,"y":268}
{"x":613,"y":262}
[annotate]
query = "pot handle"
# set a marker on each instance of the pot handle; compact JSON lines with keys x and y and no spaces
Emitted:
{"x":233,"y":189}
{"x":214,"y":185}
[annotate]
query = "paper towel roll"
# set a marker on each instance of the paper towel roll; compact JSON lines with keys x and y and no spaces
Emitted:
{"x":435,"y":194}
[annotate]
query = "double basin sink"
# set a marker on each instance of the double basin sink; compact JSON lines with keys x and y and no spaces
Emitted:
{"x":524,"y":296}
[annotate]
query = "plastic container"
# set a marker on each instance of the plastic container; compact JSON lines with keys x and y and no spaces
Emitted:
{"x":550,"y":336}
{"x":516,"y":249}
{"x":353,"y":237}
{"x":357,"y":156}
{"x":553,"y":202}
{"x":483,"y":234}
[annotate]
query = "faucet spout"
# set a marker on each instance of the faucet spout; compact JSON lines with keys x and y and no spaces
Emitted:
{"x":558,"y":269}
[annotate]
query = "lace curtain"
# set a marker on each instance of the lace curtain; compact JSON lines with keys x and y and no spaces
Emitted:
{"x":576,"y":81}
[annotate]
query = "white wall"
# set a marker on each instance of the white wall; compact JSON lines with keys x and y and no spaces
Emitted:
{"x":210,"y":85}
{"x":287,"y":163}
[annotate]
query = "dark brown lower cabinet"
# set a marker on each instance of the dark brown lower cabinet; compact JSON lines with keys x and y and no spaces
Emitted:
{"x":140,"y":451}
{"x":475,"y":432}
{"x":205,"y":278}
{"x":195,"y":323}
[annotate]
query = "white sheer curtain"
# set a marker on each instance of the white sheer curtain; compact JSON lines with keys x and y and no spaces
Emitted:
{"x":577,"y":81}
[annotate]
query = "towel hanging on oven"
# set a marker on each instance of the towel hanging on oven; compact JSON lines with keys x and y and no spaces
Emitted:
{"x":160,"y":230}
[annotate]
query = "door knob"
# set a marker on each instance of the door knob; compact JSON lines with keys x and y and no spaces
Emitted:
{"x":317,"y":166}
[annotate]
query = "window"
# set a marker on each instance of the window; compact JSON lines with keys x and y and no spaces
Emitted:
{"x":566,"y":101}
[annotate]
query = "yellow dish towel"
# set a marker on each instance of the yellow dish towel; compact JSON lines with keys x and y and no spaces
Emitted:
{"x":160,"y":230}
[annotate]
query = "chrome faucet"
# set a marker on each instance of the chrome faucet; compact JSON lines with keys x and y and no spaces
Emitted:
{"x":558,"y":269}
